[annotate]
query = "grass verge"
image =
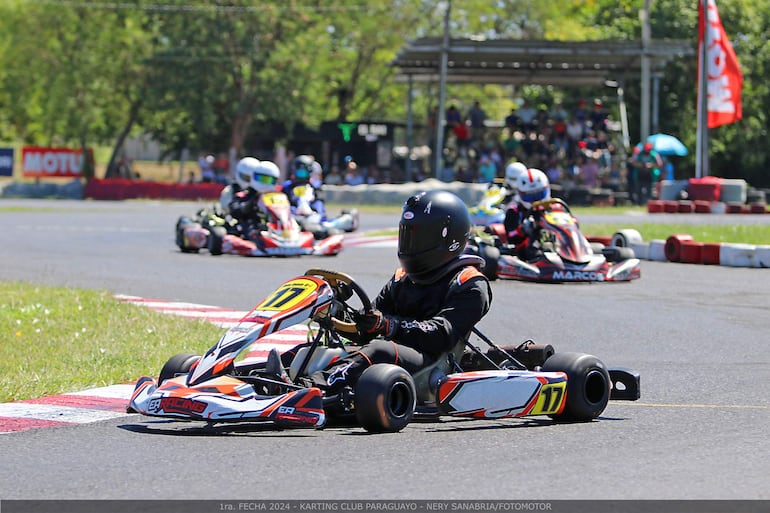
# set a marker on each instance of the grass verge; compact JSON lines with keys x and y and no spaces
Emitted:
{"x":60,"y":340}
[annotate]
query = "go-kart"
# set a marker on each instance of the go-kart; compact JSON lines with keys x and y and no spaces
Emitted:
{"x":319,"y":224}
{"x":490,"y":209}
{"x":280,"y":235}
{"x":556,"y":251}
{"x":220,"y":386}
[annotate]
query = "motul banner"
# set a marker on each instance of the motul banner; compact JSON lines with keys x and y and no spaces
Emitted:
{"x":50,"y":162}
{"x":725,"y":80}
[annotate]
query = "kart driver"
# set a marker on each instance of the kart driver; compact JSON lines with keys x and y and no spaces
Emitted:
{"x":512,"y":173}
{"x":520,"y":227}
{"x":304,"y":168}
{"x":427,"y":307}
{"x":254,"y":178}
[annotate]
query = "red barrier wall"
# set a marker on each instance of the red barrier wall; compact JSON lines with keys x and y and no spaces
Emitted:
{"x":121,"y":189}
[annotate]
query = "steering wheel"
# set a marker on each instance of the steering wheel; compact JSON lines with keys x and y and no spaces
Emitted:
{"x":547,"y":203}
{"x":344,"y":287}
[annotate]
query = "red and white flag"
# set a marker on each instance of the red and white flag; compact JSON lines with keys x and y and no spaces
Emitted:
{"x":725,"y":80}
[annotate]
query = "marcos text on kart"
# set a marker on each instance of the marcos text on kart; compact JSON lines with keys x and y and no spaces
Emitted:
{"x":219,"y":387}
{"x":281,"y":235}
{"x":556,"y":251}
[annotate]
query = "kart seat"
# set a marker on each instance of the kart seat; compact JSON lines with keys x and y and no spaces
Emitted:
{"x":427,"y":380}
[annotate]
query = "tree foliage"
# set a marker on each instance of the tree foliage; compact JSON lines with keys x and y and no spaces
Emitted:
{"x":218,"y":75}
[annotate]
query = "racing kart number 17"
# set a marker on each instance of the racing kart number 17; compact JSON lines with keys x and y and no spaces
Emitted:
{"x":551,"y":398}
{"x":287,"y":296}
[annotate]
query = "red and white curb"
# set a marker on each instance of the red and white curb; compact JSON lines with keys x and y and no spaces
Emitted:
{"x":110,"y":402}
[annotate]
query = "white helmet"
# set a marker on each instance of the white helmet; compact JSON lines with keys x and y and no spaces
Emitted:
{"x":533,"y":186}
{"x":244,"y":171}
{"x":512,"y":172}
{"x":265,"y":176}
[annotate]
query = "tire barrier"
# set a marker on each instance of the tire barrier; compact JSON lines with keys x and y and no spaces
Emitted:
{"x":704,"y":207}
{"x":710,"y":253}
{"x":673,"y":246}
{"x":624,"y":238}
{"x":641,"y":250}
{"x":737,"y":255}
{"x":762,"y":256}
{"x":657,"y":251}
{"x":691,"y":252}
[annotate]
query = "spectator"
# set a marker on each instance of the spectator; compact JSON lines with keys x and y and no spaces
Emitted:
{"x":334,"y":177}
{"x":581,"y":113}
{"x":487,"y":169}
{"x":512,"y":122}
{"x":206,"y":165}
{"x":527,"y":116}
{"x":589,"y":169}
{"x":598,"y":117}
{"x":645,"y":172}
{"x":476,"y":118}
{"x":353,"y":175}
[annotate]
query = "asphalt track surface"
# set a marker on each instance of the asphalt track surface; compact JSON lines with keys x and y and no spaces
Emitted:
{"x":697,"y":334}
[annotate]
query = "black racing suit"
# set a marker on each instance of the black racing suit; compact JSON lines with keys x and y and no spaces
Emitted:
{"x":244,"y":207}
{"x":431,"y":319}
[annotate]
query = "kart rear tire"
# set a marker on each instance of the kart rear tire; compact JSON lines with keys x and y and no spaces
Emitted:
{"x":216,"y":235}
{"x":176,"y":365}
{"x":385,"y":398}
{"x":618,"y":253}
{"x":588,"y":385}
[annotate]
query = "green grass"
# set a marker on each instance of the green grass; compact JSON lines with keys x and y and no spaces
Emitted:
{"x":738,"y":234}
{"x":58,"y":340}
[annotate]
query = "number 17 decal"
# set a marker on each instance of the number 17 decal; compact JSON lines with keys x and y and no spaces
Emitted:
{"x":550,"y":399}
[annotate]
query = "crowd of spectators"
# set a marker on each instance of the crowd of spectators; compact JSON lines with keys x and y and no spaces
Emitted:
{"x":572,"y":146}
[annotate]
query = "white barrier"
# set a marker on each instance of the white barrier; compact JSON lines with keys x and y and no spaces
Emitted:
{"x":737,"y":255}
{"x":657,"y":251}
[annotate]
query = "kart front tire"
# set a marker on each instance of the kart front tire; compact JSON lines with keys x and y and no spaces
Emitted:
{"x":385,"y":398}
{"x":216,"y":235}
{"x":618,"y":253}
{"x":181,"y":223}
{"x":176,"y":365}
{"x":588,"y":385}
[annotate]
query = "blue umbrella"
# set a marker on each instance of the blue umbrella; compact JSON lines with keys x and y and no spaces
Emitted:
{"x":667,"y":145}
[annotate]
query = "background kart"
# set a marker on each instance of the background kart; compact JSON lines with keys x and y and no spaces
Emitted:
{"x":216,"y":388}
{"x":320,"y":225}
{"x":281,"y":235}
{"x":557,"y":252}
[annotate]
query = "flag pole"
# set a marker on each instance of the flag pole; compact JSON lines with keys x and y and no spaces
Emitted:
{"x":701,"y":151}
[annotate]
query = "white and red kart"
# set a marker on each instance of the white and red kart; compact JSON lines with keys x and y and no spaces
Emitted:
{"x":557,"y":253}
{"x":219,"y":387}
{"x":280,"y":236}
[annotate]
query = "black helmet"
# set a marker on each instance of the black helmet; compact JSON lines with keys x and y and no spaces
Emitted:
{"x":303,"y":167}
{"x":433,"y":231}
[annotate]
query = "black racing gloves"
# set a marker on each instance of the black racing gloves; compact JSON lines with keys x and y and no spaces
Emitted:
{"x":375,"y":323}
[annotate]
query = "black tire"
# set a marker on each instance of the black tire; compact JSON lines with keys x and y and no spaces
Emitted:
{"x":596,"y":247}
{"x":491,"y":256}
{"x":618,"y":253}
{"x":180,"y":225}
{"x":216,"y":234}
{"x":176,"y":365}
{"x":385,"y":398}
{"x":588,"y":385}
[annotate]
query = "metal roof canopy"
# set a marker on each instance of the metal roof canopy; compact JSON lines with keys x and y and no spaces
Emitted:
{"x":516,"y":62}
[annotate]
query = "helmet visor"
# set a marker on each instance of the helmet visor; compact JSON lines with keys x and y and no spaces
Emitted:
{"x":264,"y":179}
